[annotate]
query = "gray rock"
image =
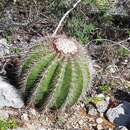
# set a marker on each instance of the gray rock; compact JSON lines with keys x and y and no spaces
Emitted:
{"x":121,"y":128}
{"x":9,"y":96}
{"x":4,"y":114}
{"x":92,"y":110}
{"x":118,"y":10}
{"x":103,"y":104}
{"x":127,"y":6}
{"x":120,"y":115}
{"x":4,"y":47}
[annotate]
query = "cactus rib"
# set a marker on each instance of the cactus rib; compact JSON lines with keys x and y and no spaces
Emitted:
{"x":62,"y":87}
{"x":30,"y":60}
{"x":43,"y":87}
{"x":34,"y":56}
{"x":76,"y":85}
{"x":84,"y":65}
{"x":36,"y":70}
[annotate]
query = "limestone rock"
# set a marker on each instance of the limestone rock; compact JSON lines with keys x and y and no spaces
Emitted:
{"x":9,"y":96}
{"x":4,"y":114}
{"x":92,"y":110}
{"x":103,"y":104}
{"x":121,"y":128}
{"x":120,"y":115}
{"x":4,"y":47}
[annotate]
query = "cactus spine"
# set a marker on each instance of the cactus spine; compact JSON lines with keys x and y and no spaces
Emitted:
{"x":56,"y":73}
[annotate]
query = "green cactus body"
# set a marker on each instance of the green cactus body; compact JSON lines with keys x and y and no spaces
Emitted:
{"x":56,"y":74}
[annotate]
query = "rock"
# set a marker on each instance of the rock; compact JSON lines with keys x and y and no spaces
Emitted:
{"x":33,"y":111}
{"x":25,"y":117}
{"x":119,"y":8}
{"x":92,"y":110}
{"x":102,"y":105}
{"x":99,"y":120}
{"x":81,"y":122}
{"x":120,"y":115}
{"x":101,"y":96}
{"x":112,"y":69}
{"x":121,"y":128}
{"x":4,"y":47}
{"x":118,"y":11}
{"x":107,"y":99}
{"x":4,"y":114}
{"x":9,"y":96}
{"x":127,"y":6}
{"x":99,"y":127}
{"x":110,"y":129}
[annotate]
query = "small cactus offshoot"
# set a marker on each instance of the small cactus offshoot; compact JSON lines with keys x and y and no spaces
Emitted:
{"x":56,"y":74}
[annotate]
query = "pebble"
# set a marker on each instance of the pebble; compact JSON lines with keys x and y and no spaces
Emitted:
{"x":107,"y":99}
{"x":103,"y":104}
{"x":92,"y":110}
{"x":110,"y":129}
{"x":121,"y":128}
{"x":101,"y":96}
{"x":25,"y":117}
{"x":99,"y":127}
{"x":101,"y":114}
{"x":4,"y":114}
{"x":4,"y":47}
{"x":99,"y":120}
{"x":112,"y":68}
{"x":81,"y":122}
{"x":33,"y":112}
{"x":91,"y":120}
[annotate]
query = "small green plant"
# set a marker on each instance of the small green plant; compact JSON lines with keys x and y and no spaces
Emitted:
{"x":94,"y":100}
{"x":80,"y":29}
{"x":124,"y":52}
{"x":16,"y":50}
{"x":58,"y":7}
{"x":104,"y":88}
{"x":129,"y":33}
{"x":101,"y":4}
{"x":90,"y":2}
{"x":56,"y":75}
{"x":7,"y":124}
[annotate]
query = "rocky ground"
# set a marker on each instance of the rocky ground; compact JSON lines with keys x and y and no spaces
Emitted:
{"x":107,"y":104}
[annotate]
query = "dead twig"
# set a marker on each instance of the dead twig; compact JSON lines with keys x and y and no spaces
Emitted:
{"x":64,"y":16}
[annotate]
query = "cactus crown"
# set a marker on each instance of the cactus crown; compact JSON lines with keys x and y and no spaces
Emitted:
{"x":56,"y":74}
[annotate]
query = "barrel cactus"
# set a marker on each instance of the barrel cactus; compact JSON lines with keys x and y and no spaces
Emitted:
{"x":55,"y":74}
